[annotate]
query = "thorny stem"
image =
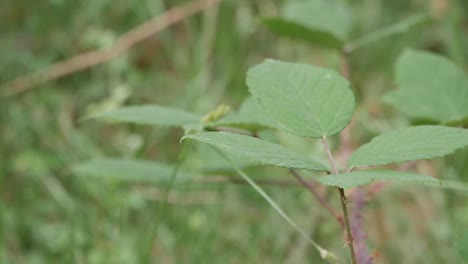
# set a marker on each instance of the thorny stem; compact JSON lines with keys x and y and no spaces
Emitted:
{"x":344,"y":207}
{"x":350,"y":239}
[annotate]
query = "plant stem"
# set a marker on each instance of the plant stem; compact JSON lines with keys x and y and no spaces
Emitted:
{"x":344,"y":207}
{"x":350,"y":240}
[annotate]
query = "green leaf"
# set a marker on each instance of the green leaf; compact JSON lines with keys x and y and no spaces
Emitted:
{"x":431,"y":87}
{"x":259,"y":150}
{"x":129,"y":170}
{"x":401,"y":27}
{"x":359,"y":178}
{"x":155,"y":115}
{"x":413,"y":143}
{"x":305,"y":100}
{"x":326,"y":23}
{"x":251,"y":116}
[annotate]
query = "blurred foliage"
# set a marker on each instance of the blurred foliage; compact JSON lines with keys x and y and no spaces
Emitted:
{"x":50,"y":215}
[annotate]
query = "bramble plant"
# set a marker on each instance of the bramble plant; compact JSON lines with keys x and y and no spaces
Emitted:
{"x":315,"y":102}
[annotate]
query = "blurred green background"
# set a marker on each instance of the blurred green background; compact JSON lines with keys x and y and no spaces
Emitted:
{"x":50,"y":215}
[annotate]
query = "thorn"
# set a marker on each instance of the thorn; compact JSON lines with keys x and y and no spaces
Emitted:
{"x":346,"y":244}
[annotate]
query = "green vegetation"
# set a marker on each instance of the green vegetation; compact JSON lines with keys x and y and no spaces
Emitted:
{"x":354,"y":96}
